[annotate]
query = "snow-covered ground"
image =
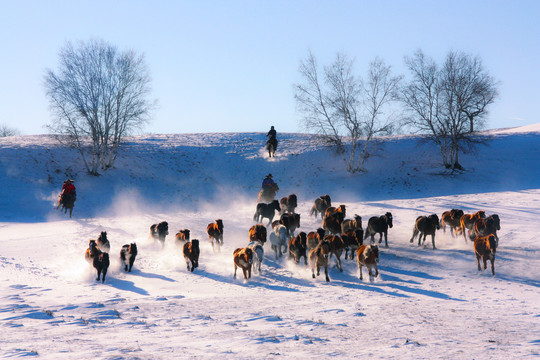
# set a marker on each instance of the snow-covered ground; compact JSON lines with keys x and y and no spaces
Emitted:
{"x":425,"y":304}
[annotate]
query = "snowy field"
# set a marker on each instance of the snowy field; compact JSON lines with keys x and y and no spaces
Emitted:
{"x":425,"y":304}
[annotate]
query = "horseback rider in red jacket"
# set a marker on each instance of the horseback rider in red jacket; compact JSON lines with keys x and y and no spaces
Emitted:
{"x":67,"y":189}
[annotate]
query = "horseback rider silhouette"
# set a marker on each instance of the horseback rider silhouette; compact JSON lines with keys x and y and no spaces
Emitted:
{"x":271,"y":143}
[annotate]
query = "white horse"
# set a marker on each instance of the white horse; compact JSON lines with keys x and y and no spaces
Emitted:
{"x":279,"y":238}
{"x":258,"y":255}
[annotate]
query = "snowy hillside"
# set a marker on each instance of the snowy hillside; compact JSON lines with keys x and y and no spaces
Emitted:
{"x":425,"y":303}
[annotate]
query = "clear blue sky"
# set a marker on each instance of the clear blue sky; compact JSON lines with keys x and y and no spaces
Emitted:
{"x":229,"y":66}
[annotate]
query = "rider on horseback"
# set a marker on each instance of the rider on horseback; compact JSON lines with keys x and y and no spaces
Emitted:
{"x":268,"y":182}
{"x":268,"y":189}
{"x":272,"y":133}
{"x":271,"y":143}
{"x":68,"y":190}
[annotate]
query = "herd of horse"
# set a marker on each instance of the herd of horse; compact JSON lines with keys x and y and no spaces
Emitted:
{"x":335,"y":236}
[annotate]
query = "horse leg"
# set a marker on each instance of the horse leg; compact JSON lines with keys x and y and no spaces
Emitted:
{"x":70,"y":211}
{"x":338,"y":259}
{"x":235,"y":267}
{"x":433,"y":240}
{"x":415,"y":232}
{"x":360,"y":271}
{"x":385,"y":238}
{"x":326,"y":273}
{"x":492,"y":266}
{"x":478,"y":262}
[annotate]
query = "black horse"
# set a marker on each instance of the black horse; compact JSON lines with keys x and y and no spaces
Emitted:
{"x":379,"y":225}
{"x":67,"y":201}
{"x":266,"y":211}
{"x":271,"y":146}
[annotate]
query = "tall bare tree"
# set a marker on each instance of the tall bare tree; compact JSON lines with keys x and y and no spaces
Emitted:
{"x":448,"y":102}
{"x":97,"y":97}
{"x":345,"y":109}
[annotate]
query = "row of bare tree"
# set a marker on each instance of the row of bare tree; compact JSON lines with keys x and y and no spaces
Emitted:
{"x":100,"y":94}
{"x":447,"y":102}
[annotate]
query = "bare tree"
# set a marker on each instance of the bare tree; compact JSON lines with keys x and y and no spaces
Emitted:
{"x":313,"y":102}
{"x":448,"y":102}
{"x":343,"y":107}
{"x":97,"y":97}
{"x":8,"y":131}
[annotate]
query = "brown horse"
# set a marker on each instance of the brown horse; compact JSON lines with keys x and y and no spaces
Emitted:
{"x":485,"y":248}
{"x":332,"y":210}
{"x":159,"y":232}
{"x":243,"y":259}
{"x":288,"y":204}
{"x":320,"y":205}
{"x":215,"y":232}
{"x":368,"y":256}
{"x":128,"y":253}
{"x":181,"y":237}
{"x":291,"y":222}
{"x":258,"y":233}
{"x":379,"y":225}
{"x":354,"y":224}
{"x":318,"y":258}
{"x":298,"y":247}
{"x":426,"y":225}
{"x":98,"y":259}
{"x":191,"y":253}
{"x":314,"y":237}
{"x":452,"y":219}
{"x":487,"y":226}
{"x":332,"y":222}
{"x":467,"y":221}
{"x":352,"y":240}
{"x":103,"y":243}
{"x":336,"y":247}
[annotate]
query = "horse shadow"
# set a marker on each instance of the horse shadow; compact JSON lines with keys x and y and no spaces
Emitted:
{"x":151,"y":275}
{"x":125,"y":285}
{"x":390,"y":282}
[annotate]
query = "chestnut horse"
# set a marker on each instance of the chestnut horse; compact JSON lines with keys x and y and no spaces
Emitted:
{"x":288,"y":204}
{"x":243,"y":258}
{"x":485,"y":248}
{"x":487,"y":226}
{"x":320,"y":205}
{"x":368,"y":256}
{"x":181,"y":237}
{"x":298,"y":247}
{"x":452,"y":219}
{"x":318,"y":258}
{"x":215,"y":232}
{"x":467,"y":221}
{"x":258,"y":233}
